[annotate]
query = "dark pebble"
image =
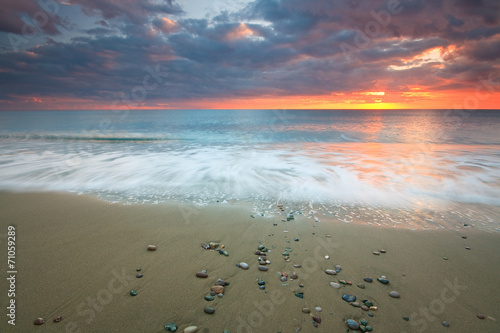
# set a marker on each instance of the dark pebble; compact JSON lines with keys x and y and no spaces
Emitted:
{"x":349,"y":298}
{"x":480,"y":316}
{"x":39,"y":321}
{"x":202,"y":275}
{"x":406,"y":318}
{"x":139,"y":275}
{"x":57,"y":319}
{"x":368,"y":279}
{"x":209,"y":310}
{"x":446,"y":324}
{"x":133,"y":293}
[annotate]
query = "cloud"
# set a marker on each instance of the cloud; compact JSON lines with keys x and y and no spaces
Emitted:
{"x":268,"y":48}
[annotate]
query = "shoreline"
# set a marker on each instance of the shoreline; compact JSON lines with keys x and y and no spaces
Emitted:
{"x":77,"y":257}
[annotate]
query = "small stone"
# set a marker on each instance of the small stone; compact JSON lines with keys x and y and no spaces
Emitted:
{"x":39,"y":321}
{"x":467,"y":247}
{"x":365,"y":308}
{"x":316,"y":319}
{"x":209,"y":298}
{"x":191,"y":329}
{"x":368,"y":279}
{"x":352,"y":324}
{"x":369,"y":328}
{"x":294,"y":276}
{"x":356,"y":304}
{"x":480,"y":316}
{"x":464,"y":237}
{"x":283,"y":279}
{"x":261,"y":282}
{"x":370,"y":314}
{"x":57,"y":319}
{"x":296,"y":239}
{"x":367,"y":302}
{"x":363,"y":322}
{"x":382,"y":251}
{"x":306,"y":310}
{"x":327,"y":257}
{"x":262,"y":287}
{"x":220,"y":295}
{"x":138,"y":270}
{"x":297,"y":266}
{"x":335,"y":285}
{"x":263,"y":268}
{"x":217,"y":289}
{"x":209,"y":310}
{"x":349,"y":298}
{"x":445,"y":258}
{"x":243,"y":265}
{"x":373,"y":308}
{"x":383,"y":280}
{"x":170,"y":327}
{"x":405,"y":318}
{"x":133,"y":293}
{"x":225,"y":253}
{"x":202,"y":275}
{"x":361,"y":285}
{"x":319,"y":309}
{"x":331,"y":272}
{"x":394,"y":294}
{"x":151,"y":248}
{"x":446,"y":324}
{"x":376,"y":253}
{"x":221,"y":282}
{"x":299,"y":295}
{"x":139,"y":275}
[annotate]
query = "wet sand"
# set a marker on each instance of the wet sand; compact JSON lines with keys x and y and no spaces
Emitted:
{"x":76,"y":257}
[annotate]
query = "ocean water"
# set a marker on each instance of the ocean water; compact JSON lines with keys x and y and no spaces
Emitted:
{"x":393,"y":158}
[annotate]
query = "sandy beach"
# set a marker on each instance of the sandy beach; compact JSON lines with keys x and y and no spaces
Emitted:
{"x":77,"y":257}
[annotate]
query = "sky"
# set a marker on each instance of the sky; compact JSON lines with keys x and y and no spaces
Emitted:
{"x":244,"y":54}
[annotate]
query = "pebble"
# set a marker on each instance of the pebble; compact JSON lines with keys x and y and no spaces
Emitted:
{"x":209,"y":298}
{"x":356,"y":304}
{"x":261,"y":282}
{"x":330,"y":272}
{"x":318,"y":309}
{"x":262,"y":287}
{"x":327,"y":257}
{"x":376,"y":253}
{"x":446,"y":324}
{"x":394,"y":294}
{"x":383,"y":280}
{"x":480,"y":316}
{"x":170,"y":327}
{"x":220,"y":295}
{"x":299,"y":295}
{"x":151,"y":248}
{"x":263,"y":268}
{"x":217,"y":289}
{"x":365,"y":308}
{"x":294,"y":276}
{"x":467,"y":247}
{"x":306,"y":310}
{"x":209,"y":310}
{"x":368,"y":279}
{"x":370,"y":314}
{"x":133,"y":293}
{"x":349,"y":298}
{"x":361,"y":285}
{"x":382,"y":251}
{"x":316,"y":319}
{"x":39,"y":321}
{"x":212,"y":293}
{"x":352,"y":324}
{"x":57,"y":319}
{"x":202,"y":275}
{"x":191,"y":329}
{"x":139,"y":275}
{"x":335,"y":285}
{"x":405,"y":318}
{"x":244,"y":265}
{"x":297,"y":266}
{"x":283,"y":278}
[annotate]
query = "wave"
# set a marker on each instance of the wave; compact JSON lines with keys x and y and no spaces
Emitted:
{"x":92,"y":137}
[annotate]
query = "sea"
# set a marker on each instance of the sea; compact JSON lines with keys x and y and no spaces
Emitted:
{"x":445,"y":161}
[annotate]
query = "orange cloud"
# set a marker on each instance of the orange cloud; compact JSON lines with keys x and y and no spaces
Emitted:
{"x":241,"y":31}
{"x":168,"y":26}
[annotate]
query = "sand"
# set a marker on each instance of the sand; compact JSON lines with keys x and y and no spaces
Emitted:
{"x":76,"y":257}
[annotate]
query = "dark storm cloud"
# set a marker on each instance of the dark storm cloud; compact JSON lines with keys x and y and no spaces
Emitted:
{"x":291,"y":47}
{"x":13,"y":11}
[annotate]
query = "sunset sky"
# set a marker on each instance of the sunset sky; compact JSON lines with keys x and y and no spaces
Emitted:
{"x":243,"y":54}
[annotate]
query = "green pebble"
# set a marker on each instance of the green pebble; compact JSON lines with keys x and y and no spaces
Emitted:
{"x":369,"y":328}
{"x":171,"y":327}
{"x":362,"y":328}
{"x":209,"y":298}
{"x":225,"y":253}
{"x":226,"y":331}
{"x":406,"y":318}
{"x":133,"y":292}
{"x":363,"y":322}
{"x":445,"y":258}
{"x":368,"y":303}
